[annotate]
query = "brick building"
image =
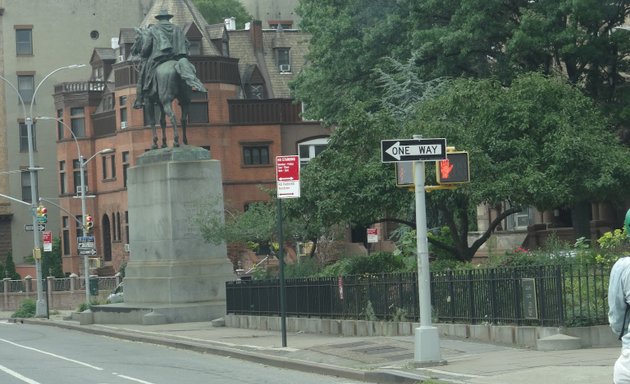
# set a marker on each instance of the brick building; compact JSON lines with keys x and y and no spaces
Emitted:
{"x":245,"y":120}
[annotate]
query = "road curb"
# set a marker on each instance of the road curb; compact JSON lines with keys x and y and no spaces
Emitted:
{"x":208,"y":346}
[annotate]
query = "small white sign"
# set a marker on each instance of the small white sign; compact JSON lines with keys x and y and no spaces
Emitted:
{"x":372,"y":235}
{"x":288,"y":189}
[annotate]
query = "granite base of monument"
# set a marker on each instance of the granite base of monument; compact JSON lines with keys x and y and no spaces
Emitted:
{"x":173,"y":275}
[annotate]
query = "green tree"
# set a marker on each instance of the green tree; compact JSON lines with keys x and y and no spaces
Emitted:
{"x":216,"y":11}
{"x":352,"y":39}
{"x":51,"y":261}
{"x":480,"y":38}
{"x":256,"y":227}
{"x":349,"y":40}
{"x":539,"y":142}
{"x":9,"y":267}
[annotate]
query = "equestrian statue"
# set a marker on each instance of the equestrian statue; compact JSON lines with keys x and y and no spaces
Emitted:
{"x":166,"y":75}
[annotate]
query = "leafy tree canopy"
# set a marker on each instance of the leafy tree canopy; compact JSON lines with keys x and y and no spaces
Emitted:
{"x":352,"y":39}
{"x":216,"y":11}
{"x":538,"y":142}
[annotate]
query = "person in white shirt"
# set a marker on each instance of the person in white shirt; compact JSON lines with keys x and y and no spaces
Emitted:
{"x":619,"y":316}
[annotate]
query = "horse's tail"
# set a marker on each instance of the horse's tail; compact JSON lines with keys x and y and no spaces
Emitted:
{"x":187,"y":72}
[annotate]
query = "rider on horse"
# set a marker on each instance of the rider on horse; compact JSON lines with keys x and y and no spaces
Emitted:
{"x":166,"y":41}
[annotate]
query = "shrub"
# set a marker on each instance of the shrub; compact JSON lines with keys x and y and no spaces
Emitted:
{"x":378,"y":262}
{"x":27,"y":309}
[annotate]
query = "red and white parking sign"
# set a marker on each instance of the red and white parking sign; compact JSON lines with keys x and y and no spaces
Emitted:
{"x":47,"y":238}
{"x":288,"y":176}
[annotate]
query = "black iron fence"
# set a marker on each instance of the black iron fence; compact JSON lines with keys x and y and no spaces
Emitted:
{"x":560,"y":295}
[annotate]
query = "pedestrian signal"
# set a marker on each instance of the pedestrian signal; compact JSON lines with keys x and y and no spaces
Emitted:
{"x":42,"y":214}
{"x":454,"y":170}
{"x":89,"y":223}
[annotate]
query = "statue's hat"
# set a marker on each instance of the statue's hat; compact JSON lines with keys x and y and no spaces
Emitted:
{"x":163,"y":15}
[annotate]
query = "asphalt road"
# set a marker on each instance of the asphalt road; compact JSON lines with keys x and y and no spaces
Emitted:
{"x":48,"y":355}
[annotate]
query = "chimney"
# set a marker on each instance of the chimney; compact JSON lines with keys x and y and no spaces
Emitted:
{"x":230,"y":23}
{"x":256,"y":35}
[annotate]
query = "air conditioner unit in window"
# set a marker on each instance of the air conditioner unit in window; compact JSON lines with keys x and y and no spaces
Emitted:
{"x":123,"y":125}
{"x":80,"y":189}
{"x":285,"y":68}
{"x":126,"y":247}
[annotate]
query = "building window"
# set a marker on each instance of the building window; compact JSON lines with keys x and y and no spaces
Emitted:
{"x":60,"y":127}
{"x":24,"y":137}
{"x":198,"y":109}
{"x":198,"y":113}
{"x":311,"y":148}
{"x":79,"y":227}
{"x":225,"y":47}
{"x":26,"y":186}
{"x":26,"y":87}
{"x":97,"y":73}
{"x":284,"y":24}
{"x":114,"y":227}
{"x":145,"y":115}
{"x":283,"y":59}
{"x":194,"y":49}
{"x":66,"y":235}
{"x":76,"y":175}
{"x":255,"y":91}
{"x":118,"y":231}
{"x":127,"y":226}
{"x":123,"y":111}
{"x":23,"y":41}
{"x":125,"y":166}
{"x":77,"y":121}
{"x":62,"y":177}
{"x":112,"y":161}
{"x":256,"y":154}
{"x":104,"y":160}
{"x":518,"y":221}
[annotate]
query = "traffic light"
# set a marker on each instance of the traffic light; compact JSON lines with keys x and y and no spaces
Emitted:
{"x":89,"y":223}
{"x":42,"y":214}
{"x":454,"y":170}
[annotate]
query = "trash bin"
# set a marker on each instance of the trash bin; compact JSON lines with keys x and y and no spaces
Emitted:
{"x":93,"y":285}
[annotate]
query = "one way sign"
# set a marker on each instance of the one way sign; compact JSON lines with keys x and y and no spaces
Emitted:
{"x":393,"y":151}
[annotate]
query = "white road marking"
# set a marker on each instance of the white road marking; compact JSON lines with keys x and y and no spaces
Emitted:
{"x":18,"y":376}
{"x":53,"y":355}
{"x":451,"y":373}
{"x":133,"y":379}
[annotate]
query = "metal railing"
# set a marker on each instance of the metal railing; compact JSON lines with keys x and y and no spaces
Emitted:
{"x":106,"y":283}
{"x":561,"y":295}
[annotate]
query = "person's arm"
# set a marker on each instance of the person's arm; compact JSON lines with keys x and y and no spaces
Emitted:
{"x":619,"y":294}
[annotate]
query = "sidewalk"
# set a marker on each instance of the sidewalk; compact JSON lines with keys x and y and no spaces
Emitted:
{"x":372,"y":359}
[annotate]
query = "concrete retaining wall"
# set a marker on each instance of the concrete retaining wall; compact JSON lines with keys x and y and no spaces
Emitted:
{"x":521,"y":336}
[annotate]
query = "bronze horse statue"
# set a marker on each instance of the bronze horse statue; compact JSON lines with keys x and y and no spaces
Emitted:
{"x":172,"y":79}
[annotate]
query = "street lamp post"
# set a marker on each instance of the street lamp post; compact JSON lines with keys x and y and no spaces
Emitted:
{"x":40,"y":308}
{"x":82,"y":165}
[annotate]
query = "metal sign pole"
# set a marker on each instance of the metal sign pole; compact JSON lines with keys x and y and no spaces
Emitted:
{"x":283,"y":311}
{"x":427,"y":340}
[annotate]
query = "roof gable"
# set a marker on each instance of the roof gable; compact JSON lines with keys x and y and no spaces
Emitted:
{"x":100,"y":55}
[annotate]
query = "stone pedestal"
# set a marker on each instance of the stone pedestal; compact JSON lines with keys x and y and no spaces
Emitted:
{"x":173,"y":275}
